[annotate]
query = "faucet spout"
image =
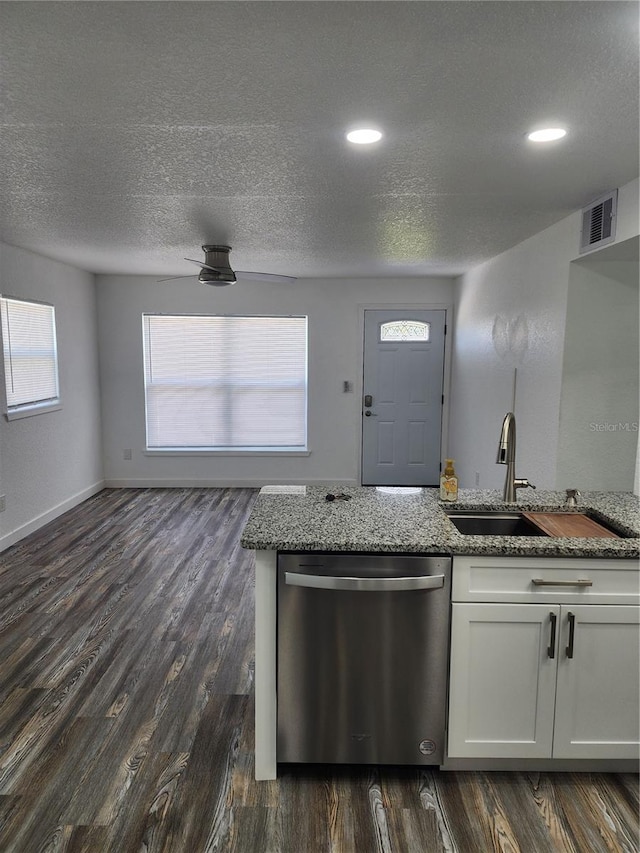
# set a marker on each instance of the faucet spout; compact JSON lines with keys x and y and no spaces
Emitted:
{"x":507,"y":445}
{"x":507,"y":456}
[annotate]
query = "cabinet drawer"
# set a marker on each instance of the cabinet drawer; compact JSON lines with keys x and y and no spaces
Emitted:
{"x":532,"y":579}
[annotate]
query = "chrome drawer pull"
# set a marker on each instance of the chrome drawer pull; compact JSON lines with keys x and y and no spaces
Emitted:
{"x":578,"y":582}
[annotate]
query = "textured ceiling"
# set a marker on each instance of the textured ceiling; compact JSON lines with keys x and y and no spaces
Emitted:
{"x":132,"y":132}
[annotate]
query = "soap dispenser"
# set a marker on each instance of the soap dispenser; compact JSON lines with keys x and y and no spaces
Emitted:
{"x":448,"y":482}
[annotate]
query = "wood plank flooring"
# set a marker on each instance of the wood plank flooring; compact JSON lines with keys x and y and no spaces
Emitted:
{"x":126,"y":712}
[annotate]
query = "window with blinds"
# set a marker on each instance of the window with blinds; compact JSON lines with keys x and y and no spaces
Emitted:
{"x":30,"y":356}
{"x":221,"y":383}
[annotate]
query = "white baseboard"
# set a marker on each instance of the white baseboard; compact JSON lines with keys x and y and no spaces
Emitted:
{"x":210,"y":483}
{"x":39,"y":521}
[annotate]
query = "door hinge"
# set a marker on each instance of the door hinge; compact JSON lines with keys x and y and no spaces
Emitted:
{"x":445,"y":328}
{"x":442,"y":401}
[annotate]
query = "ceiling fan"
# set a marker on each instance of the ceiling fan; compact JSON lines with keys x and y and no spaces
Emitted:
{"x":216,"y":270}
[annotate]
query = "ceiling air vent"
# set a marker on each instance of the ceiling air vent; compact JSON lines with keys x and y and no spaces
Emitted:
{"x":599,"y":222}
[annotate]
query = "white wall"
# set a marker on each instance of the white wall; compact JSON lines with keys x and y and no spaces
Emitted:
{"x":51,"y":461}
{"x":599,"y":403}
{"x":334,"y":308}
{"x":510,"y":313}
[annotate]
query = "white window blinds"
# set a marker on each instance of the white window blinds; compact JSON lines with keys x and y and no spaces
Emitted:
{"x":225,"y":382}
{"x":30,"y":358}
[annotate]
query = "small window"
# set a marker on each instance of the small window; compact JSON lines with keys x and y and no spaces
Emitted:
{"x":405,"y":330}
{"x":220,"y":383}
{"x":30,"y":355}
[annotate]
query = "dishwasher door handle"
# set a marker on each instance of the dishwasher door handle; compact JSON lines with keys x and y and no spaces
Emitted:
{"x":364,"y":584}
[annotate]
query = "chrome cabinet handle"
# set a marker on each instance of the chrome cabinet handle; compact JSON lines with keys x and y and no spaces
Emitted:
{"x":551,"y":651}
{"x":578,"y":582}
{"x":364,"y":584}
{"x":572,"y":629}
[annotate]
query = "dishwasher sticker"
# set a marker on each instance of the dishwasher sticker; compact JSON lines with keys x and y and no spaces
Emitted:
{"x":427,"y":747}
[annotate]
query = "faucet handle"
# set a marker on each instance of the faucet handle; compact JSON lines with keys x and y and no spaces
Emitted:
{"x":572,"y":497}
{"x":523,"y":483}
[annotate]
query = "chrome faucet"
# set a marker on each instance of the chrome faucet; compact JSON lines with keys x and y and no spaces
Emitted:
{"x":507,"y":456}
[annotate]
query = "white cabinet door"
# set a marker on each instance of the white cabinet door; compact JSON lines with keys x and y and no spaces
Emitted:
{"x":598,"y":689}
{"x":502,"y":680}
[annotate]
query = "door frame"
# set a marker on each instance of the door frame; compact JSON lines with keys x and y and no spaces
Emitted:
{"x":447,"y":307}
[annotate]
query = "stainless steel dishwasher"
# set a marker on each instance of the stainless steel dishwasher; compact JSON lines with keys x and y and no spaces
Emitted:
{"x":362,"y":650}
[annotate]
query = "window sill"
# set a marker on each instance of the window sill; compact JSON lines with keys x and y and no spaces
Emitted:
{"x":30,"y":411}
{"x":267,"y":451}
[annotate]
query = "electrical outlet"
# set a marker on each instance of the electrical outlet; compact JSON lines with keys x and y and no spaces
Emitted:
{"x":477,"y":478}
{"x":126,"y":454}
{"x":3,"y":504}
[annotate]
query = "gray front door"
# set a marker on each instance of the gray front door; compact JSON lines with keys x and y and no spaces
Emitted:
{"x":402,"y":403}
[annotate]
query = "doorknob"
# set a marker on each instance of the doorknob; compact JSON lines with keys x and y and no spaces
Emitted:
{"x":368,"y":400}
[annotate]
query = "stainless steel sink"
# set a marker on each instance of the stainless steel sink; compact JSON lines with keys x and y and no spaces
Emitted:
{"x":474,"y":523}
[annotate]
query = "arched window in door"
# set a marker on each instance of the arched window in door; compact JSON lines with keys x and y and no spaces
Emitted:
{"x":405,"y":330}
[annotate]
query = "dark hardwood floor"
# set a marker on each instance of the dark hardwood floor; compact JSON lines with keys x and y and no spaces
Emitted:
{"x":126,"y":712}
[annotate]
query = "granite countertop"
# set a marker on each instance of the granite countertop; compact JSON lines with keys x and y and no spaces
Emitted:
{"x":413,"y":521}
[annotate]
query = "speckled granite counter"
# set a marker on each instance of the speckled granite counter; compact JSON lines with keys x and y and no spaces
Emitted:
{"x":398,"y":521}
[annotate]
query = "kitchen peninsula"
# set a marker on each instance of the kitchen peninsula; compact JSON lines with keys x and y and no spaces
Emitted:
{"x":409,"y":521}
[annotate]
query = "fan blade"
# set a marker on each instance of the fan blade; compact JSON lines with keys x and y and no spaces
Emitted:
{"x":176,"y":277}
{"x":264,"y":276}
{"x":204,"y":266}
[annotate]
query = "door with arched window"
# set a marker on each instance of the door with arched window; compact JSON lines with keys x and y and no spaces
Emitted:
{"x":402,"y":403}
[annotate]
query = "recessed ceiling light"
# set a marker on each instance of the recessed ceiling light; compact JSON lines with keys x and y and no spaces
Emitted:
{"x":364,"y":136}
{"x":547,"y":134}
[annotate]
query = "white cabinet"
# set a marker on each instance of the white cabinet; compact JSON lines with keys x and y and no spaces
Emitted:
{"x":551,"y":675}
{"x":598,"y":689}
{"x":502,"y":684}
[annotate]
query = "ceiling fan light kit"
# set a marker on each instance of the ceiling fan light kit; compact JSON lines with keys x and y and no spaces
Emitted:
{"x":216,"y":270}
